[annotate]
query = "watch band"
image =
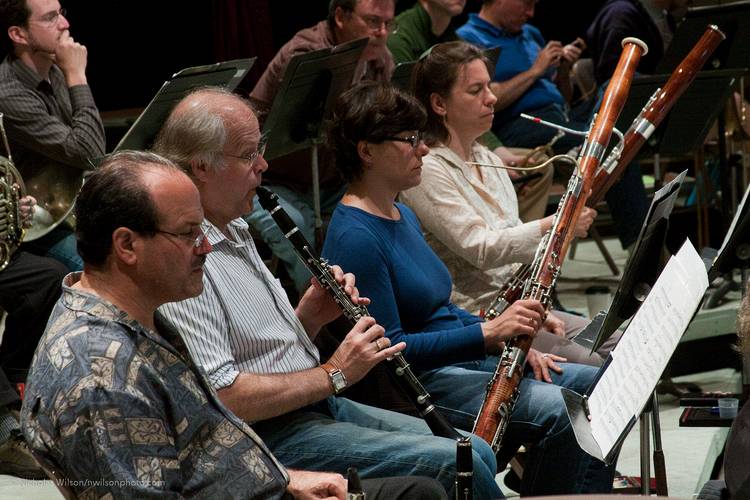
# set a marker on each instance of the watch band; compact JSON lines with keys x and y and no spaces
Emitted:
{"x":335,"y":377}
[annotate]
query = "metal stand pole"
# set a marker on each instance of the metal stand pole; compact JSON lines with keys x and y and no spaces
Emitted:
{"x":645,"y":455}
{"x":316,"y":194}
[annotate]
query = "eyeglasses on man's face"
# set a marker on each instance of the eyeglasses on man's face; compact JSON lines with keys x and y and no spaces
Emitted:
{"x":375,"y":23}
{"x":196,"y":240}
{"x":51,"y":18}
{"x":253,"y":157}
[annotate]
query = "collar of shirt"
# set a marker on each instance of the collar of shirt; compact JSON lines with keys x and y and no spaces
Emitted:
{"x":489,"y":28}
{"x":30,"y":78}
{"x":216,"y":236}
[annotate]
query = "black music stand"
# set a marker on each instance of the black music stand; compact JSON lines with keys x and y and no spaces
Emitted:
{"x":401,"y":78}
{"x":734,"y":21}
{"x":641,"y":272}
{"x":226,"y":74}
{"x":311,"y":82}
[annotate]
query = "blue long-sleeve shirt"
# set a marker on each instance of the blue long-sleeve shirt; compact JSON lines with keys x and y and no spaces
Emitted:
{"x":408,"y":284}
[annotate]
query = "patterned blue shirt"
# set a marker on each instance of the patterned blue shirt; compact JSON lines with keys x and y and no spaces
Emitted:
{"x":123,"y":412}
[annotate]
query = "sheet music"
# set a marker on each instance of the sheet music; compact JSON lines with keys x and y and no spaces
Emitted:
{"x":646,"y":346}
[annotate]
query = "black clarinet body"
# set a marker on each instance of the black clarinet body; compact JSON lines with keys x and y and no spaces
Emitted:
{"x":464,"y":470}
{"x":321,"y":270}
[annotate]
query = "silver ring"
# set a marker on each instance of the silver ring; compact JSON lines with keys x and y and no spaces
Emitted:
{"x":377,"y":344}
{"x":545,"y":355}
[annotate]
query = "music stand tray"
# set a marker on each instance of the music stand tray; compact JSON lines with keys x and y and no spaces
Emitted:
{"x":227,"y":74}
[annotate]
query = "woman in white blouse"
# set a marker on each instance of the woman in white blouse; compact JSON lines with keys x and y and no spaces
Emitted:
{"x":470,"y":213}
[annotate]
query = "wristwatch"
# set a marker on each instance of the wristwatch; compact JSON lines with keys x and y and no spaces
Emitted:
{"x":336,"y":377}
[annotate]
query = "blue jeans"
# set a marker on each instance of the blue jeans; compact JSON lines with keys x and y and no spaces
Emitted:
{"x":59,"y":244}
{"x":556,"y":464}
{"x":299,"y":206}
{"x":380,"y":443}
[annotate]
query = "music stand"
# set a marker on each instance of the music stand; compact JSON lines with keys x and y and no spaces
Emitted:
{"x":311,"y":82}
{"x":401,"y":78}
{"x":227,"y":74}
{"x":734,"y":21}
{"x":641,"y":270}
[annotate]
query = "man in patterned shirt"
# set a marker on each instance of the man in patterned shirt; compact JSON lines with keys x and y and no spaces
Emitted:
{"x":113,"y":398}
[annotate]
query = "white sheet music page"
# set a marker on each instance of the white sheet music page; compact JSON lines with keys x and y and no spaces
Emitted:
{"x":646,"y":346}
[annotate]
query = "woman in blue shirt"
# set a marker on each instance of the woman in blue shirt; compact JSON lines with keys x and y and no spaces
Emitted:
{"x":376,"y":137}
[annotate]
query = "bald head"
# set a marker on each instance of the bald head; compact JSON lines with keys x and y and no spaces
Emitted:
{"x":202,"y":124}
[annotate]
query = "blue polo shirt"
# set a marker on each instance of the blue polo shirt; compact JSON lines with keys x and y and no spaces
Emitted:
{"x":518,"y":51}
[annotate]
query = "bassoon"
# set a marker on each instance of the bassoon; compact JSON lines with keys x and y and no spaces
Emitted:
{"x":321,"y":270}
{"x":502,"y":390}
{"x":652,"y":114}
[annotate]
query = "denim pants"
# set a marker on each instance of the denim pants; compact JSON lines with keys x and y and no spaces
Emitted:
{"x":380,"y":443}
{"x":556,"y":464}
{"x":299,"y":206}
{"x":59,"y":244}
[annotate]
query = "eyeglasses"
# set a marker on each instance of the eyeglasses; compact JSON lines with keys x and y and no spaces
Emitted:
{"x":259,"y":152}
{"x":415,"y":140}
{"x":52,"y":18}
{"x":374,"y":23}
{"x":197,"y":241}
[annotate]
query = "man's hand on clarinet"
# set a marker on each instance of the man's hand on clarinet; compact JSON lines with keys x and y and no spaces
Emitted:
{"x":543,"y":363}
{"x":523,"y":317}
{"x":363,"y":347}
{"x":317,"y":307}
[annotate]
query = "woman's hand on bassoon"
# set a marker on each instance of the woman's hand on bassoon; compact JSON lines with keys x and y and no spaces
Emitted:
{"x":584,"y":222}
{"x":363,"y":347}
{"x":523,"y":317}
{"x":543,"y":363}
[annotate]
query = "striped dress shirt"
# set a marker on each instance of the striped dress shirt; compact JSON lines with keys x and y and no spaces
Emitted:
{"x":243,"y":321}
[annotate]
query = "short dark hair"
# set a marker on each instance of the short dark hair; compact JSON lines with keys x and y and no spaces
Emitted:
{"x":12,"y":13}
{"x":369,"y":111}
{"x":436,"y":72}
{"x":113,"y":196}
{"x":347,"y":5}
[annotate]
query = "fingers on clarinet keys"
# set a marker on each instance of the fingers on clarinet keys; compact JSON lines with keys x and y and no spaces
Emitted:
{"x":381,"y":343}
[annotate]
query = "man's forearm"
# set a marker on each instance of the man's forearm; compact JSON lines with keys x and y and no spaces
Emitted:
{"x":256,"y":397}
{"x":509,"y":91}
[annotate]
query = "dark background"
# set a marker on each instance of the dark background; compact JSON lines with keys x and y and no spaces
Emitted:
{"x":134,"y":46}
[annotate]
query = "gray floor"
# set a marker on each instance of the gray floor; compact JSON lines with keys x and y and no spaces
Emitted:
{"x":689,"y":452}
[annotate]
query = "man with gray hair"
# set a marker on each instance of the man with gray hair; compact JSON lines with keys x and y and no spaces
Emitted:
{"x":258,"y":351}
{"x":290,"y":176}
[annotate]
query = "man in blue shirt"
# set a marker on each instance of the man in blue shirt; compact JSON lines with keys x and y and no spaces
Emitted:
{"x":533,"y":77}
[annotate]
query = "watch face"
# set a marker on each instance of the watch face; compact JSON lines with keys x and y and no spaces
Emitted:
{"x":339,"y":381}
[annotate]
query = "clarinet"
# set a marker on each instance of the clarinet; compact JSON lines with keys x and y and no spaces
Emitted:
{"x":652,"y":114}
{"x":321,"y":270}
{"x":502,"y":390}
{"x":464,"y":469}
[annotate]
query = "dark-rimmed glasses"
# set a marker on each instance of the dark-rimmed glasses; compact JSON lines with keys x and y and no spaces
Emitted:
{"x":415,"y":139}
